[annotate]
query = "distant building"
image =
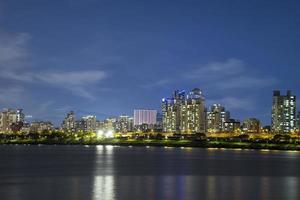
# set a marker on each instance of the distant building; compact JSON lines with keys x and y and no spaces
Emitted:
{"x":109,"y":124}
{"x":144,"y":116}
{"x":232,"y":126}
{"x":283,"y":112}
{"x":11,"y":120}
{"x":69,"y":123}
{"x":251,"y":125}
{"x":20,"y":116}
{"x":40,"y":126}
{"x":25,"y":128}
{"x":171,"y":111}
{"x":215,"y":118}
{"x":298,"y":121}
{"x":89,"y":123}
{"x":192,"y":113}
{"x":183,"y":113}
{"x":123,"y":124}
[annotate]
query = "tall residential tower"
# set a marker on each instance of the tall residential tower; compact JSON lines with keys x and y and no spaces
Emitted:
{"x":283,"y":112}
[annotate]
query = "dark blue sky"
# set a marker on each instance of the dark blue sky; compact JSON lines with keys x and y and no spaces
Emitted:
{"x":107,"y":57}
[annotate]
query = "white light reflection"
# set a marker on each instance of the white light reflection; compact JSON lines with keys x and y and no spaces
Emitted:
{"x":104,"y":182}
{"x":104,"y":187}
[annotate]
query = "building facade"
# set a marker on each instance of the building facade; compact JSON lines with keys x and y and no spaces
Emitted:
{"x":298,"y":122}
{"x":69,"y":123}
{"x":251,"y":125}
{"x":40,"y":126}
{"x":215,"y":118}
{"x":144,"y":116}
{"x":192,"y":113}
{"x":232,"y":126}
{"x":184,"y":114}
{"x":283,"y":112}
{"x":11,"y":120}
{"x":171,"y":111}
{"x":123,"y":124}
{"x":89,"y":123}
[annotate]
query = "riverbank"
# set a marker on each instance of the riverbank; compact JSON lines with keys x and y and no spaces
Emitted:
{"x":166,"y":143}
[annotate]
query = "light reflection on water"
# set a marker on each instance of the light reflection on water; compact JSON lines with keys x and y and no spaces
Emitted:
{"x":109,"y":172}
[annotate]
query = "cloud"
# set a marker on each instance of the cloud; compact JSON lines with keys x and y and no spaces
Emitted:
{"x":13,"y":49}
{"x":11,"y":94}
{"x":230,"y":74}
{"x":234,"y":103}
{"x":75,"y":81}
{"x":73,"y":78}
{"x":155,"y":84}
{"x":246,"y":82}
{"x":14,"y":52}
{"x":215,"y":69}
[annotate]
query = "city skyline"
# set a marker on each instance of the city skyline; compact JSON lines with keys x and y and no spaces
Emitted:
{"x":99,"y":58}
{"x":182,"y":112}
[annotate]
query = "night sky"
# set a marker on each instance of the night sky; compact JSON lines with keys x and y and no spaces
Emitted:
{"x":107,"y":57}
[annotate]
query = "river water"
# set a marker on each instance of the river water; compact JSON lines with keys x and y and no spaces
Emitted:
{"x":142,"y":173}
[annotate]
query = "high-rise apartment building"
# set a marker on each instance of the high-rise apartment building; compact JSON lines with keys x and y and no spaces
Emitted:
{"x":123,"y":124}
{"x":171,"y":112}
{"x":89,"y":123}
{"x":183,"y":113}
{"x":69,"y":123}
{"x":283,"y":112}
{"x":215,"y":118}
{"x":10,"y":119}
{"x":144,"y":116}
{"x":192,"y":113}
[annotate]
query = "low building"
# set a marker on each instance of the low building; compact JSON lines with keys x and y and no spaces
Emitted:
{"x":40,"y":126}
{"x":232,"y":126}
{"x":251,"y":125}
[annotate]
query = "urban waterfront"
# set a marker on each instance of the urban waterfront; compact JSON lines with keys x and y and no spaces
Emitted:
{"x":114,"y":172}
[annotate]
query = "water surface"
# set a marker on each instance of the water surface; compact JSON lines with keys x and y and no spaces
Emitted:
{"x":107,"y":172}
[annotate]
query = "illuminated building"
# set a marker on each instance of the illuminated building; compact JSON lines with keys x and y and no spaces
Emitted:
{"x":251,"y":125}
{"x":283,"y":112}
{"x":192,"y":113}
{"x":184,"y":114}
{"x":171,"y":112}
{"x":68,"y":123}
{"x":109,"y":123}
{"x":144,"y":116}
{"x":20,"y":116}
{"x":123,"y":124}
{"x":89,"y":123}
{"x":11,"y":119}
{"x":232,"y":126}
{"x":298,"y":121}
{"x":216,"y":117}
{"x":40,"y":126}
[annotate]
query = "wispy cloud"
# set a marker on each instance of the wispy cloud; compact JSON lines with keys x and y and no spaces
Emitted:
{"x":73,"y":78}
{"x":230,"y":74}
{"x":13,"y":49}
{"x":246,"y":82}
{"x":13,"y":53}
{"x":216,"y":69}
{"x":234,"y":103}
{"x":160,"y":83}
{"x":12,"y":94}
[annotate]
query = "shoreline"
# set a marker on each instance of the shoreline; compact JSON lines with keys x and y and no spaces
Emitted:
{"x":173,"y":143}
